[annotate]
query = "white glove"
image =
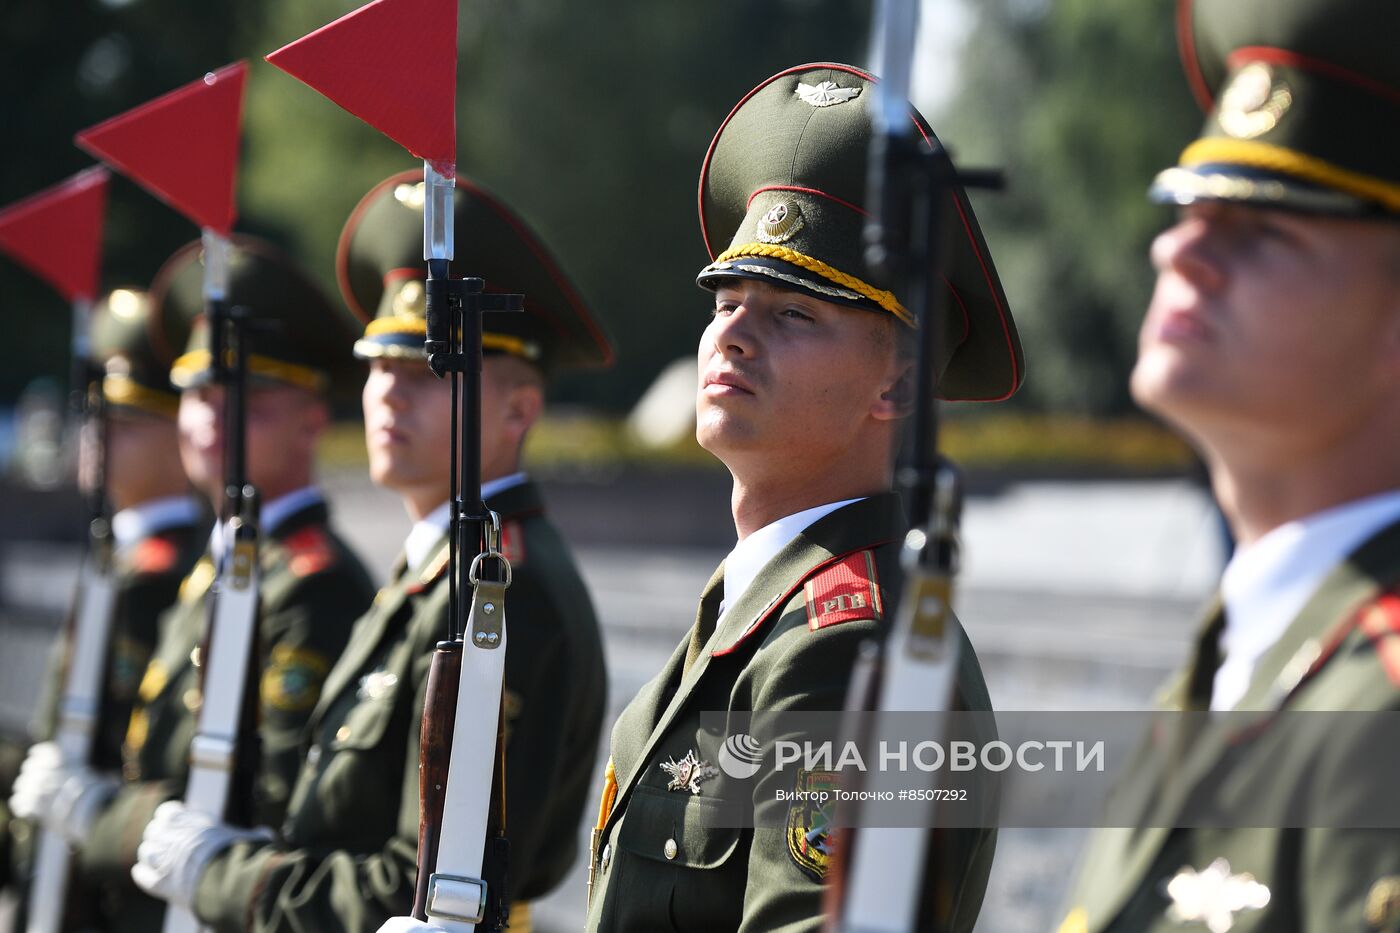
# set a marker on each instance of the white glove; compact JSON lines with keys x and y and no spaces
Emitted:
{"x":176,"y":846}
{"x":78,"y":803}
{"x":409,"y":925}
{"x":40,"y":777}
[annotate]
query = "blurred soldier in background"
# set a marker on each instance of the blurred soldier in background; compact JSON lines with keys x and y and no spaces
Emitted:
{"x":158,"y":528}
{"x":346,"y":856}
{"x":312,"y":586}
{"x":1273,"y":344}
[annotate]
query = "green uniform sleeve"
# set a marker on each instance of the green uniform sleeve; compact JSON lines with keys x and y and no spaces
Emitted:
{"x":305,"y":626}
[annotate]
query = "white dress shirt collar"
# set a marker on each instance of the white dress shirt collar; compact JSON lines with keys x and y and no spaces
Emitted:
{"x":753,"y":553}
{"x":1266,"y":584}
{"x":138,"y":522}
{"x":426,"y":533}
{"x":273,"y":514}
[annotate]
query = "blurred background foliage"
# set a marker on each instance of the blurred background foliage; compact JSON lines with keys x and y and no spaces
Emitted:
{"x":592,"y":119}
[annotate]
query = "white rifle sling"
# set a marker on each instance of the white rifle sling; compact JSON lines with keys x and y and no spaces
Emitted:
{"x":921,"y":663}
{"x":215,"y":744}
{"x":456,"y":893}
{"x":77,"y":722}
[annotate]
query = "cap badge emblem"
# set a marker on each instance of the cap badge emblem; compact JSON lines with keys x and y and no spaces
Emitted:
{"x":687,"y":773}
{"x":410,"y":196}
{"x":412,"y":301}
{"x":782,"y":222}
{"x":1254,"y":102}
{"x":826,"y":94}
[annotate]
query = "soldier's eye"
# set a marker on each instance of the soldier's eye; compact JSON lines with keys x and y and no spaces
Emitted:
{"x":797,"y":314}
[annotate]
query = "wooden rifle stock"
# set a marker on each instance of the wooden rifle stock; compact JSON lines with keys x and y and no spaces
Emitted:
{"x":434,"y":759}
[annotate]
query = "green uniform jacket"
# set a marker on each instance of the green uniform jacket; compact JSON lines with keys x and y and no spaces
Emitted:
{"x":661,"y":861}
{"x":312,"y":588}
{"x":347,"y":859}
{"x":147,"y":575}
{"x":1342,"y":652}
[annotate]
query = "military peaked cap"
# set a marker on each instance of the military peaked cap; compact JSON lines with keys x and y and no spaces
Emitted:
{"x":782,"y":195}
{"x":298,"y":337}
{"x":381,"y":272}
{"x":1302,"y":101}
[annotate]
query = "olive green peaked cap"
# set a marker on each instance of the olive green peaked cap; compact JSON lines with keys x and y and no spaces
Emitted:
{"x":136,"y":375}
{"x":1302,"y":101}
{"x":381,"y":271}
{"x":782,"y":194}
{"x":298,"y":337}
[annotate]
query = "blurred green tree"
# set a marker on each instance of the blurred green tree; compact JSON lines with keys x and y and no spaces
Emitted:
{"x":1082,"y":102}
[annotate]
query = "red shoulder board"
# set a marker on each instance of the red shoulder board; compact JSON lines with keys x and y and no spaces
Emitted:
{"x":843,"y":592}
{"x":1380,"y":622}
{"x":513,"y":543}
{"x":310,"y":551}
{"x":154,"y":555}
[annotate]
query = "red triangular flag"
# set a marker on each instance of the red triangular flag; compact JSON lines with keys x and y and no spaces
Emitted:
{"x":182,"y":147}
{"x":393,"y":64}
{"x":57,"y":233}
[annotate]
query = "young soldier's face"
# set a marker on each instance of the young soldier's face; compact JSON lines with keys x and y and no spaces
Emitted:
{"x":1267,"y":320}
{"x":408,"y":428}
{"x":408,"y":424}
{"x":790,"y":378}
{"x":283,"y":427}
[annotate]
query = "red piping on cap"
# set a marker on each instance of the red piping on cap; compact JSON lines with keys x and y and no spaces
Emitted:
{"x":347,"y":232}
{"x":1186,"y":47}
{"x":812,"y":191}
{"x":1275,"y":56}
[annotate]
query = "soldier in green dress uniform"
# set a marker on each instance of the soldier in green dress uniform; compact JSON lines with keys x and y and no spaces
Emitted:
{"x":312,"y":586}
{"x":1273,"y":344}
{"x":345,"y":857}
{"x":158,"y":529}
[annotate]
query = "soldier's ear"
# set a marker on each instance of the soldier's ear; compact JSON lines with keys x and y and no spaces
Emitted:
{"x":897,"y":394}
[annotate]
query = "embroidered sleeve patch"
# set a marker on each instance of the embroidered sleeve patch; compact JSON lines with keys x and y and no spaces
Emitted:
{"x":845,"y":591}
{"x":809,"y":832}
{"x":292,"y":681}
{"x":154,"y":555}
{"x":310,"y":551}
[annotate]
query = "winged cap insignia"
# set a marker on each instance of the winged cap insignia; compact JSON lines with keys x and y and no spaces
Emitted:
{"x":826,"y":94}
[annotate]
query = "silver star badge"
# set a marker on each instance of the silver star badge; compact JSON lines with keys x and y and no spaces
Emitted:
{"x":826,"y":94}
{"x":687,"y":773}
{"x":1214,"y":896}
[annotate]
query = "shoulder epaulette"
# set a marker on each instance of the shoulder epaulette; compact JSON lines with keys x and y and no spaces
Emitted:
{"x":1380,"y":622}
{"x":844,"y":591}
{"x":513,"y":543}
{"x":309,"y":551}
{"x":154,"y":555}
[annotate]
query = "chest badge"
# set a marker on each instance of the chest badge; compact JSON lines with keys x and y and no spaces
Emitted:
{"x":687,"y":773}
{"x":1214,"y":896}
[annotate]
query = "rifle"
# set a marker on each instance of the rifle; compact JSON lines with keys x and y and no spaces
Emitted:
{"x":461,"y":878}
{"x":88,"y":637}
{"x":461,"y":875}
{"x":224,"y":751}
{"x":57,"y":234}
{"x":206,"y":114}
{"x":875,"y":880}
